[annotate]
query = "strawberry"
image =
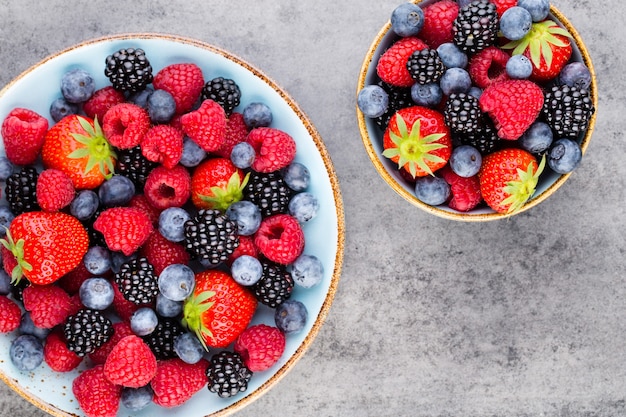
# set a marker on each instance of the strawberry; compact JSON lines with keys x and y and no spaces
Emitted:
{"x":418,"y":140}
{"x":121,"y":329}
{"x":488,"y":66}
{"x":438,"y":21}
{"x":219,"y":309}
{"x":96,"y":395}
{"x":236,"y":132}
{"x":44,"y":246}
{"x":166,"y":188}
{"x":161,"y":252}
{"x":273,"y":148}
{"x":49,"y":305}
{"x":465,"y":190}
{"x":10,"y":315}
{"x":163,"y":144}
{"x":131,"y":363}
{"x":76,"y":145}
{"x":184,"y":81}
{"x":125,"y":125}
{"x":280,"y":238}
{"x":54,"y":190}
{"x":503,"y":5}
{"x":513,"y":106}
{"x":260,"y":346}
{"x":391,"y":67}
{"x":23,"y":133}
{"x":176,"y":382}
{"x":56,"y":354}
{"x":101,"y":101}
{"x":216,"y":183}
{"x":206,"y":126}
{"x":508,"y":178}
{"x":124,"y":229}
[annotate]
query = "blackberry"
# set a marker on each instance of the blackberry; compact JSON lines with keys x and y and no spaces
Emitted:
{"x":128,"y":70}
{"x":399,"y":98}
{"x":275,"y":285}
{"x":425,"y":66}
{"x":476,"y":26}
{"x":137,"y":281}
{"x":227,"y":374}
{"x":95,"y":237}
{"x":17,"y":289}
{"x":567,"y":110}
{"x":211,"y":236}
{"x":486,"y":139}
{"x":86,"y":331}
{"x":462,"y":113}
{"x":223,"y":91}
{"x":132,"y":164}
{"x":161,"y":340}
{"x":269,"y":192}
{"x":21,"y":190}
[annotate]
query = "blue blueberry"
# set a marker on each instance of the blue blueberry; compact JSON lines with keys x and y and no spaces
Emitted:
{"x":166,"y":307}
{"x":172,"y":223}
{"x":61,"y":108}
{"x":140,"y":98}
{"x":26,"y":352}
{"x":136,"y":399}
{"x":304,"y":206}
{"x":28,"y":327}
{"x":291,"y":316}
{"x":6,"y":168}
{"x":5,"y":282}
{"x":432,"y":190}
{"x":116,"y":191}
{"x":475,"y":91}
{"x":247,"y":215}
{"x":564,"y":156}
{"x":118,"y":259}
{"x":96,"y":293}
{"x":143,"y":321}
{"x":161,"y":106}
{"x":242,"y":155}
{"x":193,"y":154}
{"x":257,"y":115}
{"x":246,"y":270}
{"x":307,"y":271}
{"x":427,"y":95}
{"x":176,"y":282}
{"x":6,"y":217}
{"x":538,"y":9}
{"x":97,"y":260}
{"x":463,"y":3}
{"x":455,"y":80}
{"x":465,"y":161}
{"x":188,"y":348}
{"x":575,"y":74}
{"x":85,"y":204}
{"x":373,"y":101}
{"x":452,"y":56}
{"x":407,"y":19}
{"x":296,"y":176}
{"x":537,"y":138}
{"x":515,"y":23}
{"x":77,"y":86}
{"x":519,"y":67}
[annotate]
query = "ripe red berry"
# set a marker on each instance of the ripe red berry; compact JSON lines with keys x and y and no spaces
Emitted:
{"x":280,"y":238}
{"x":488,"y":66}
{"x":438,"y":22}
{"x":163,"y":144}
{"x":49,"y":305}
{"x":122,"y":307}
{"x":141,"y":202}
{"x":161,"y":252}
{"x":236,"y":132}
{"x":124,"y":125}
{"x":101,"y":101}
{"x":274,"y":149}
{"x":56,"y":354}
{"x":168,"y":187}
{"x":54,"y":190}
{"x":246,"y":247}
{"x":465,"y":191}
{"x":391,"y":67}
{"x":206,"y":126}
{"x":10,"y":315}
{"x":124,"y":229}
{"x":121,"y":329}
{"x":72,"y":281}
{"x":131,"y":363}
{"x":176,"y":381}
{"x":260,"y":346}
{"x":183,"y":81}
{"x":96,"y":395}
{"x":23,"y":133}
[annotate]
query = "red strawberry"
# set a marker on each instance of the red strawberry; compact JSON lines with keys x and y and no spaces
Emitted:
{"x":121,"y":329}
{"x":508,"y":178}
{"x":56,"y":354}
{"x":163,"y":144}
{"x":438,"y":21}
{"x":513,"y":106}
{"x":23,"y":132}
{"x":236,"y":132}
{"x":44,"y":246}
{"x":216,"y":183}
{"x":273,"y":148}
{"x":206,"y":126}
{"x":161,"y":252}
{"x":124,"y":229}
{"x":391,"y":67}
{"x":260,"y":346}
{"x":280,"y":238}
{"x":219,"y":309}
{"x":96,"y":395}
{"x":503,"y":5}
{"x":10,"y":315}
{"x":131,"y":363}
{"x":54,"y":190}
{"x":49,"y":305}
{"x":125,"y":125}
{"x":176,"y":382}
{"x":101,"y":101}
{"x":166,"y":188}
{"x":488,"y":66}
{"x":465,"y":191}
{"x":183,"y":81}
{"x":418,"y":140}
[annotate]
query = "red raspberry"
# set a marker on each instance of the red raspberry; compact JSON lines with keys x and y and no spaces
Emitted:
{"x":465,"y":191}
{"x":161,"y":252}
{"x":101,"y":101}
{"x":49,"y":305}
{"x":236,"y":132}
{"x":124,"y":229}
{"x":206,"y":126}
{"x":168,"y":187}
{"x":163,"y":144}
{"x":54,"y":190}
{"x":183,"y":81}
{"x":121,"y":329}
{"x":9,"y":262}
{"x":122,"y":306}
{"x":23,"y":132}
{"x":125,"y":125}
{"x":273,"y":148}
{"x":488,"y":66}
{"x":75,"y":304}
{"x":246,"y":247}
{"x":72,"y":281}
{"x":56,"y":354}
{"x":503,"y":5}
{"x":176,"y":381}
{"x":96,"y":395}
{"x":391,"y":67}
{"x":141,"y":202}
{"x":10,"y":315}
{"x":260,"y":346}
{"x":280,"y":238}
{"x":131,"y":363}
{"x":438,"y":21}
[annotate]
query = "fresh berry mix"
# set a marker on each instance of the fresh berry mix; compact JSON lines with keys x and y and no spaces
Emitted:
{"x":478,"y":100}
{"x":146,"y":225}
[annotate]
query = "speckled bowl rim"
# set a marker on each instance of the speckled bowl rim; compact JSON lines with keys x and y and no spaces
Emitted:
{"x":320,"y":318}
{"x":453,"y":215}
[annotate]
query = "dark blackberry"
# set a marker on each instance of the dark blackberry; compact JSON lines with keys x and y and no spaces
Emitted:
{"x":211,"y":236}
{"x":399,"y":98}
{"x":95,"y":237}
{"x":462,"y":113}
{"x":128,"y":70}
{"x":476,"y":26}
{"x":275,"y":285}
{"x":86,"y":331}
{"x":269,"y":192}
{"x":425,"y":66}
{"x":486,"y":139}
{"x":132,"y":164}
{"x":567,"y":110}
{"x":137,"y":281}
{"x":17,"y":289}
{"x":161,"y":340}
{"x":223,"y":91}
{"x":21,"y":190}
{"x":227,"y":374}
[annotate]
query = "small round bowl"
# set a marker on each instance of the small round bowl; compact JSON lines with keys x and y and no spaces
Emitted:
{"x":372,"y":135}
{"x":37,"y":87}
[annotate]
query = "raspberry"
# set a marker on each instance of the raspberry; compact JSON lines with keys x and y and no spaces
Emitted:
{"x":168,"y":187}
{"x":131,"y":363}
{"x":141,"y":202}
{"x":465,"y":191}
{"x":124,"y":229}
{"x":246,"y":247}
{"x":55,"y":190}
{"x":56,"y":354}
{"x":206,"y":126}
{"x":236,"y":132}
{"x":163,"y":144}
{"x":176,"y":381}
{"x":161,"y":252}
{"x":122,"y":306}
{"x":96,"y":395}
{"x":10,"y":315}
{"x":72,"y":281}
{"x":120,"y":330}
{"x":274,"y":149}
{"x":49,"y":305}
{"x":438,"y":22}
{"x":124,"y":125}
{"x":101,"y":101}
{"x":23,"y":132}
{"x":280,"y":238}
{"x":183,"y":81}
{"x":488,"y":66}
{"x":391,"y":67}
{"x":260,"y":346}
{"x":503,"y":5}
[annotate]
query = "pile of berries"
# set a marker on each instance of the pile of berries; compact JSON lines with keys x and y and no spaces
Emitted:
{"x":476,"y":100}
{"x":143,"y":230}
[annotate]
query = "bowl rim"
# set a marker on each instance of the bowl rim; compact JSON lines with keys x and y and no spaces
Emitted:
{"x":337,"y":197}
{"x":454,"y":215}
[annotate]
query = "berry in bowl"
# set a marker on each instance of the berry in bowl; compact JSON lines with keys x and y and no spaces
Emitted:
{"x":172,"y":230}
{"x":476,"y":110}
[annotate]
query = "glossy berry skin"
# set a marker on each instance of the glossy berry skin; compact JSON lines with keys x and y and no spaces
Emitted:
{"x":538,"y":9}
{"x":97,"y":260}
{"x":391,"y":66}
{"x":60,"y":108}
{"x":432,"y":190}
{"x":242,"y":155}
{"x":455,"y":80}
{"x":427,"y":95}
{"x":407,"y":19}
{"x":143,"y":321}
{"x":291,"y":316}
{"x":77,"y":85}
{"x":188,"y":348}
{"x":519,"y":67}
{"x":84,"y":204}
{"x":247,"y":216}
{"x":95,"y":394}
{"x":23,"y":134}
{"x":168,"y":187}
{"x":465,"y":161}
{"x":537,"y":138}
{"x":176,"y":282}
{"x":125,"y":125}
{"x":49,"y":305}
{"x":260,"y":346}
{"x":373,"y":100}
{"x":216,"y":183}
{"x":236,"y":132}
{"x":26,"y":352}
{"x":161,"y":106}
{"x":452,"y":56}
{"x":515,"y":23}
{"x":246,"y":270}
{"x":167,"y":308}
{"x":116,"y":191}
{"x":177,"y":381}
{"x":304,"y":206}
{"x":257,"y":115}
{"x":488,"y":66}
{"x":172,"y":223}
{"x":163,"y":144}
{"x":307,"y":271}
{"x":297,"y":176}
{"x":56,"y":354}
{"x":161,"y":252}
{"x":101,"y":101}
{"x":564,"y":156}
{"x":192,"y":153}
{"x":575,"y":74}
{"x":464,"y":191}
{"x":96,"y":293}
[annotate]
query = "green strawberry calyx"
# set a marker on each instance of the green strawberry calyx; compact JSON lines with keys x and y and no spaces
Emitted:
{"x":223,"y":197}
{"x":97,"y":148}
{"x":193,"y":310}
{"x":17,"y":249}
{"x":539,"y":40}
{"x":521,"y":190}
{"x":414,"y":149}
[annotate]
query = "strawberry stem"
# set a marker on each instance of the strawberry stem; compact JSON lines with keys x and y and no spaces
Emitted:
{"x":17,"y":249}
{"x":97,"y":148}
{"x":193,"y":310}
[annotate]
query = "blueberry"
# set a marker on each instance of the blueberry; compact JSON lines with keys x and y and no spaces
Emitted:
{"x":465,"y":161}
{"x":176,"y":282}
{"x":475,"y":91}
{"x":96,"y":293}
{"x":242,"y":155}
{"x":452,"y":56}
{"x":463,"y":3}
{"x":519,"y":67}
{"x":97,"y":260}
{"x":85,"y":204}
{"x":116,"y":191}
{"x":143,"y":321}
{"x":26,"y":352}
{"x":515,"y":23}
{"x":407,"y":19}
{"x":166,"y":307}
{"x":296,"y":176}
{"x":432,"y":190}
{"x":172,"y":223}
{"x":136,"y":399}
{"x":193,"y":154}
{"x":291,"y":316}
{"x":537,"y":138}
{"x":246,"y":270}
{"x":77,"y":86}
{"x":304,"y":206}
{"x":28,"y":327}
{"x":61,"y":108}
{"x":373,"y":101}
{"x":538,"y":9}
{"x":5,"y":282}
{"x":161,"y":106}
{"x":307,"y":271}
{"x":247,"y":215}
{"x":257,"y":115}
{"x":188,"y":348}
{"x":118,"y":259}
{"x":427,"y":95}
{"x":6,"y":168}
{"x":6,"y":217}
{"x":140,"y":98}
{"x":455,"y":80}
{"x":575,"y":74}
{"x":564,"y":156}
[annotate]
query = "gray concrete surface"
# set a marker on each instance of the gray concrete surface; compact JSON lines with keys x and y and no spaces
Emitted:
{"x":517,"y":318}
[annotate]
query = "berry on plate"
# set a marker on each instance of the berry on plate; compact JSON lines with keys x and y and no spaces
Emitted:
{"x":130,"y":363}
{"x":260,"y":346}
{"x":23,"y":132}
{"x":176,"y":381}
{"x":391,"y":67}
{"x":206,"y":125}
{"x":184,"y":81}
{"x":216,"y":184}
{"x":274,"y":149}
{"x":96,"y":395}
